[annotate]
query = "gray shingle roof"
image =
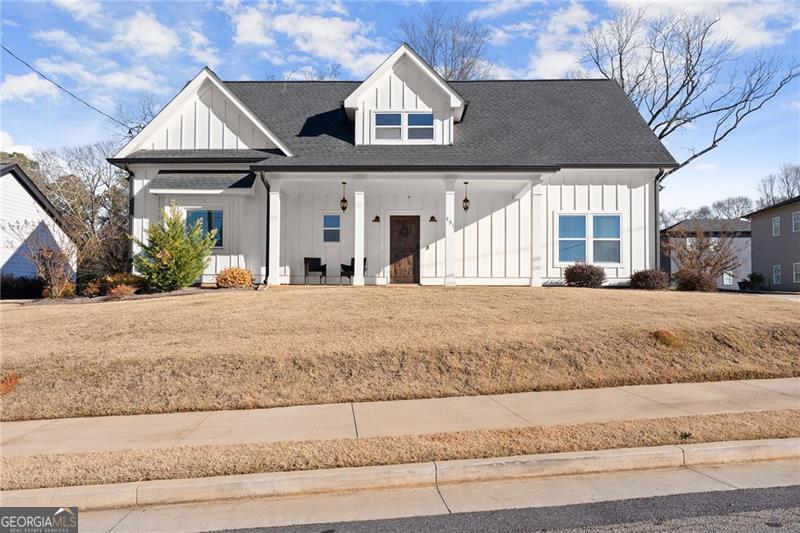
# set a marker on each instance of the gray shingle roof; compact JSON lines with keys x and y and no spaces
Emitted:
{"x":773,"y":206}
{"x":710,"y":225}
{"x":243,"y":156}
{"x":200,"y":180}
{"x":545,"y":123}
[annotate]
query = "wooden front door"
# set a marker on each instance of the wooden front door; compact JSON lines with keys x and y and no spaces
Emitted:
{"x":404,"y":249}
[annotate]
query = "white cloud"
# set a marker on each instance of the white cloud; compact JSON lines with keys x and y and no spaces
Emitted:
{"x":9,"y":22}
{"x":558,"y":45}
{"x":201,"y":50}
{"x":7,"y":145}
{"x":135,"y":78}
{"x":26,"y":88}
{"x":706,"y":167}
{"x":144,"y":35}
{"x":747,"y":24}
{"x":498,"y":8}
{"x":65,"y":41}
{"x":82,"y":10}
{"x":252,"y":27}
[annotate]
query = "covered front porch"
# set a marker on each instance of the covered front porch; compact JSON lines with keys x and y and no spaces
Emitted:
{"x":406,"y":229}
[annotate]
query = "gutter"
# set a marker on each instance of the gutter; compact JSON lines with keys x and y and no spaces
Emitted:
{"x":659,"y":177}
{"x":131,"y":177}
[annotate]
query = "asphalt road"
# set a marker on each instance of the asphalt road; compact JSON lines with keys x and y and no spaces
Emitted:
{"x":751,"y":510}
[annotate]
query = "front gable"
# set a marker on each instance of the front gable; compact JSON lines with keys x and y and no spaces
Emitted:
{"x":404,"y":83}
{"x":204,"y":115}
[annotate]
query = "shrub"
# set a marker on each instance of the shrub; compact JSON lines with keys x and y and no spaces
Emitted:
{"x":234,"y":277}
{"x":174,"y":256}
{"x":91,"y":288}
{"x":650,"y":280}
{"x":67,"y":291}
{"x":583,"y":275}
{"x":693,"y":280}
{"x":755,"y":280}
{"x":118,"y":292}
{"x":12,"y":286}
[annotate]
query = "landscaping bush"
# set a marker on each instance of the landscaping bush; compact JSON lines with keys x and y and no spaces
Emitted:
{"x":694,"y":280}
{"x":235,"y":278}
{"x":175,"y":256}
{"x":12,"y":286}
{"x":91,"y":288}
{"x":118,"y":292}
{"x":583,"y":275}
{"x":755,"y":280}
{"x":67,"y":291}
{"x":650,"y":280}
{"x":101,"y":286}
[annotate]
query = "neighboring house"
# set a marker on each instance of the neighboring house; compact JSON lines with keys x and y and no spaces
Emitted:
{"x":776,"y":244}
{"x":738,"y":231}
{"x":26,"y":215}
{"x":460,"y":183}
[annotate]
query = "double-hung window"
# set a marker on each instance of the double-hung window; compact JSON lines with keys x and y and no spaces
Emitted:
{"x":727,"y":278}
{"x":572,"y":238}
{"x":796,"y":272}
{"x":776,"y":275}
{"x":606,"y":239}
{"x":331,"y":228}
{"x":776,"y":226}
{"x":575,"y":246}
{"x":209,"y":219}
{"x":795,"y":221}
{"x":400,"y":127}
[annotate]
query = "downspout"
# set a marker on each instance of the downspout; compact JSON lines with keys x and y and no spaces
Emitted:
{"x":263,"y":176}
{"x":131,"y":177}
{"x":656,"y":215}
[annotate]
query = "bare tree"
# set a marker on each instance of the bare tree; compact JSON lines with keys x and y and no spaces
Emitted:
{"x":677,"y":71}
{"x":136,"y":114}
{"x":329,"y":72}
{"x":732,"y":208}
{"x":702,"y":251}
{"x":51,"y":253}
{"x":779,"y":187}
{"x":453,"y":45}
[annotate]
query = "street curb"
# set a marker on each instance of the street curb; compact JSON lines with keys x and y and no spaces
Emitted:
{"x":161,"y":492}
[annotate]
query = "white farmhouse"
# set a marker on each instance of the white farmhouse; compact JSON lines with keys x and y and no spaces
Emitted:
{"x":26,"y":217}
{"x":405,"y":178}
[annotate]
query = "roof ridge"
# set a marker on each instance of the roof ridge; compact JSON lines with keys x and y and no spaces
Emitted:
{"x":525,"y":80}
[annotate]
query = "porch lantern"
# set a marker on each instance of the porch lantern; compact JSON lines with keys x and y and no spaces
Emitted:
{"x":433,"y":219}
{"x":343,"y":201}
{"x":377,"y":218}
{"x":465,"y":202}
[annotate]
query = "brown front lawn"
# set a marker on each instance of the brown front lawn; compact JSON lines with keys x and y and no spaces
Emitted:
{"x":305,"y":345}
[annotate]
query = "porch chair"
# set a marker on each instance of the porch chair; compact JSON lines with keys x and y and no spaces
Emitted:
{"x":348,"y":271}
{"x":313,"y":265}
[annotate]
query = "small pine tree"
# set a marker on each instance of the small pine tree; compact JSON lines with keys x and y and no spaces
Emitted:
{"x":174,"y":256}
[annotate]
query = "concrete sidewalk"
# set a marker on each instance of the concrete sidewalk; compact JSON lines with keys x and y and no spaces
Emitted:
{"x":369,"y":419}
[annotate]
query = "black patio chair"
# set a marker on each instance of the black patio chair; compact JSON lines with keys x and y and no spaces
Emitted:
{"x":348,"y":271}
{"x":313,"y":265}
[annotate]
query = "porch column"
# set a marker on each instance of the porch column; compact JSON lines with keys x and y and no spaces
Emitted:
{"x":358,"y":235}
{"x":538,"y":237}
{"x":274,"y":274}
{"x":449,"y":232}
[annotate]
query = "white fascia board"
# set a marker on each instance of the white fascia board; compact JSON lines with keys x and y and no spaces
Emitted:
{"x":456,"y":101}
{"x":189,"y":91}
{"x":240,"y":192}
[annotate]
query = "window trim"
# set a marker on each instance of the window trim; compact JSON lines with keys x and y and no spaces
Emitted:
{"x":778,"y":227}
{"x":322,"y":227}
{"x":585,"y":238}
{"x":404,"y":127}
{"x":557,"y":263}
{"x":210,"y":207}
{"x":796,"y":223}
{"x":727,"y":279}
{"x":796,"y":272}
{"x":777,"y":274}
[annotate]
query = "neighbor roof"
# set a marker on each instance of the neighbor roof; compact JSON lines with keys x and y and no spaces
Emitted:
{"x":526,"y":124}
{"x":203,"y":180}
{"x":36,"y":193}
{"x":710,"y":225}
{"x":775,"y":206}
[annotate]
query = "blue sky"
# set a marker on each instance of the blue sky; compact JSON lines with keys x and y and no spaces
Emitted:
{"x":108,"y":52}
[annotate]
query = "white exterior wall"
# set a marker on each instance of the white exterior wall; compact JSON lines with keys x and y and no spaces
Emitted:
{"x":244,"y":220}
{"x":207,"y":120}
{"x":18,"y":207}
{"x":404,"y":88}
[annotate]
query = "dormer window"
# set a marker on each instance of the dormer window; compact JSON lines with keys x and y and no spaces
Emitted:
{"x":405,"y":127}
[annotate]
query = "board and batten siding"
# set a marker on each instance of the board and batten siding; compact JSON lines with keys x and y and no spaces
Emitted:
{"x":244,"y":222}
{"x":404,"y":88}
{"x":207,"y":120}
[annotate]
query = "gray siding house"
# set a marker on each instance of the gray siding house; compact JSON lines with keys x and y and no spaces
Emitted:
{"x":775,"y":244}
{"x":737,"y":230}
